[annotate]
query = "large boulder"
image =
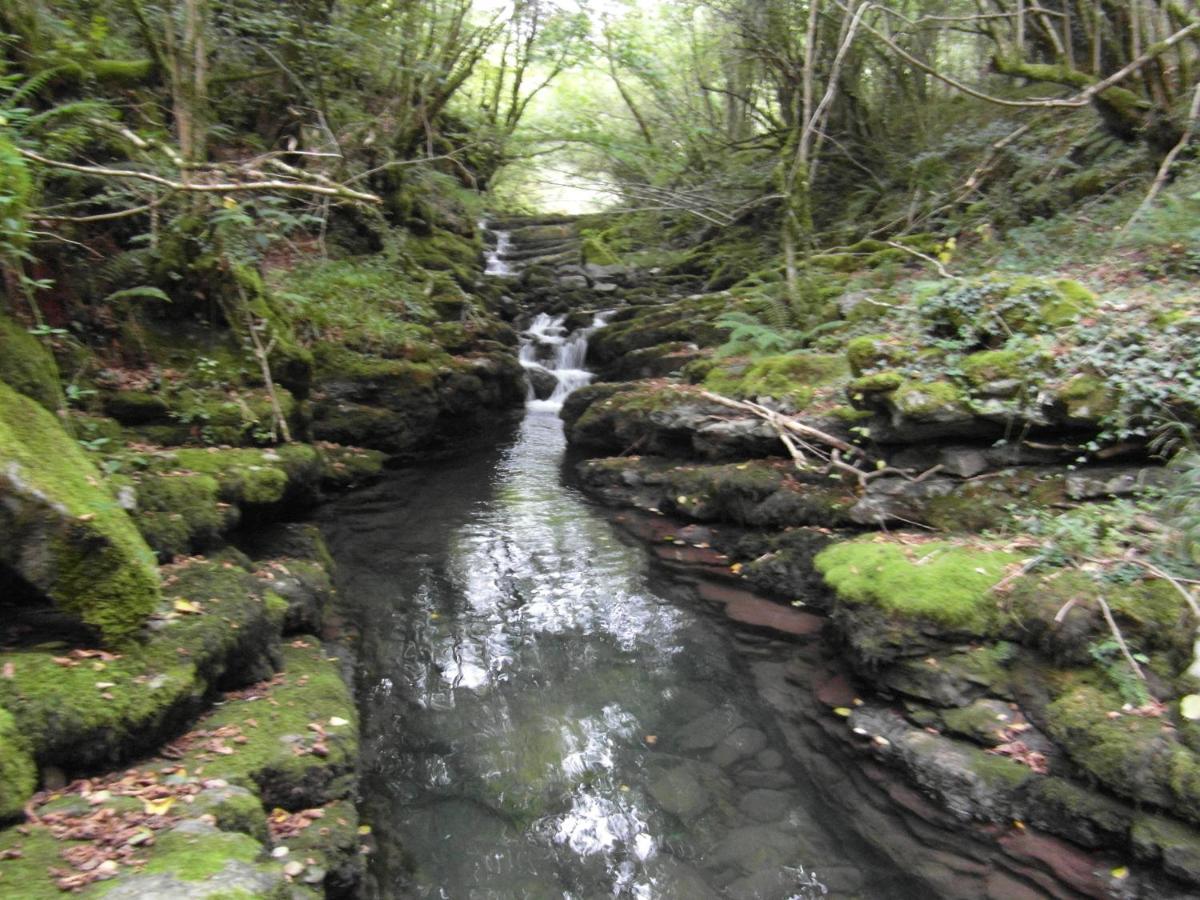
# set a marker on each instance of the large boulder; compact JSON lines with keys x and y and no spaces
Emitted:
{"x":61,"y":532}
{"x":26,"y":366}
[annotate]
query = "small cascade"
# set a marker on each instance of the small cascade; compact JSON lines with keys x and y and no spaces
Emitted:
{"x":548,"y":350}
{"x":495,"y":258}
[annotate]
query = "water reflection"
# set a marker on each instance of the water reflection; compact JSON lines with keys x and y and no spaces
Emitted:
{"x":540,"y":722}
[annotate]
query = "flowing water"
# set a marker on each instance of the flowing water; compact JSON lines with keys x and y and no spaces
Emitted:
{"x":542,"y":720}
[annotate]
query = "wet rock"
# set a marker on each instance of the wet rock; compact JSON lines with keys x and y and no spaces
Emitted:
{"x":1175,"y":845}
{"x":765,"y":805}
{"x":739,"y":744}
{"x":952,"y":679}
{"x":679,"y":792}
{"x":1078,"y":813}
{"x":769,"y":759}
{"x":760,"y":778}
{"x":753,"y":848}
{"x":898,"y":500}
{"x":765,"y":884}
{"x":707,"y":730}
{"x":965,"y":780}
{"x":542,"y":381}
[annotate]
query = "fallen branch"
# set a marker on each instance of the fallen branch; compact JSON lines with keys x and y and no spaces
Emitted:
{"x":212,"y":187}
{"x":1119,"y":638}
{"x":936,"y":263}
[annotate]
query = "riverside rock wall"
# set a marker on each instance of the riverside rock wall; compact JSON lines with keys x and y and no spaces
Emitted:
{"x":176,"y":712}
{"x":967,"y":674}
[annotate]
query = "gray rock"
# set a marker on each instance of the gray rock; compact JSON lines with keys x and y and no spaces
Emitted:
{"x":1101,"y":482}
{"x":707,"y":730}
{"x":541,"y":380}
{"x":765,"y":805}
{"x":740,"y":744}
{"x":769,"y":759}
{"x":758,"y":778}
{"x":964,"y":462}
{"x":678,"y":792}
{"x":752,"y":848}
{"x":604,"y":287}
{"x":572,"y":282}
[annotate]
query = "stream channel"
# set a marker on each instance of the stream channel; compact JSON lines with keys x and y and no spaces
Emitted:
{"x":542,"y":720}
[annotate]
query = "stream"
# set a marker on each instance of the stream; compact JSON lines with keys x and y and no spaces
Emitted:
{"x":542,"y":720}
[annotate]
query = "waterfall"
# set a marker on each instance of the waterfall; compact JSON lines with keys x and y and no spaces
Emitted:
{"x":494,"y":261}
{"x":546,"y":346}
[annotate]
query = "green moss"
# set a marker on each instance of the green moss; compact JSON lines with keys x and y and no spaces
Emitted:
{"x":788,"y":378}
{"x":996,"y":365}
{"x":1131,"y":755}
{"x":179,"y":513}
{"x":91,"y":560}
{"x":249,"y":476}
{"x":121,"y":71}
{"x":18,"y":775}
{"x":26,"y":366}
{"x":595,"y":249}
{"x":943,"y":582}
{"x":877,"y":383}
{"x":194,"y":857}
{"x":929,"y":401}
{"x":1088,"y":398}
{"x":870,"y":351}
{"x":276,"y":762}
{"x":71,"y":721}
{"x":16,"y":190}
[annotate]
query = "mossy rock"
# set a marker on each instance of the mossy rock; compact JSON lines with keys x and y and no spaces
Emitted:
{"x":85,"y":711}
{"x":937,"y":581}
{"x":25,"y":365}
{"x":1151,"y":614}
{"x":136,"y":407}
{"x":990,"y":366}
{"x":63,"y":533}
{"x":1087,"y":398}
{"x":792,"y":379}
{"x":875,"y":383}
{"x":347,"y":467}
{"x":250,"y":477}
{"x":994,"y":307}
{"x":181,"y":513}
{"x":285,"y":760}
{"x":1084,"y":815}
{"x":871,"y":351}
{"x":1132,"y":755}
{"x":1173,"y":845}
{"x":18,"y":774}
{"x":930,"y":402}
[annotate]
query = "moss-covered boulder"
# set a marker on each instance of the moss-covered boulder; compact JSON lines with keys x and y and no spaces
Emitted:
{"x":939,"y":581}
{"x":18,"y":775}
{"x":26,"y":366}
{"x":79,"y":707}
{"x":1129,"y":752}
{"x":293,"y":741}
{"x":63,"y":533}
{"x":792,"y":379}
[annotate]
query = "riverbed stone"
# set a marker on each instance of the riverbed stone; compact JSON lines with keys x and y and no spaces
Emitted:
{"x":707,"y":730}
{"x":765,"y":805}
{"x":739,"y":744}
{"x":679,"y":792}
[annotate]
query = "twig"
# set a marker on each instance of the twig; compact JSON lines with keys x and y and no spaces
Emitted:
{"x":1119,"y":638}
{"x":929,"y":259}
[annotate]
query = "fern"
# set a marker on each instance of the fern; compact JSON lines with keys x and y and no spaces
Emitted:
{"x":748,"y":335}
{"x":141,"y":291}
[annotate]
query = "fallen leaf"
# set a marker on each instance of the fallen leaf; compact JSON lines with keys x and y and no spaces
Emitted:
{"x":186,"y":606}
{"x":157,"y":807}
